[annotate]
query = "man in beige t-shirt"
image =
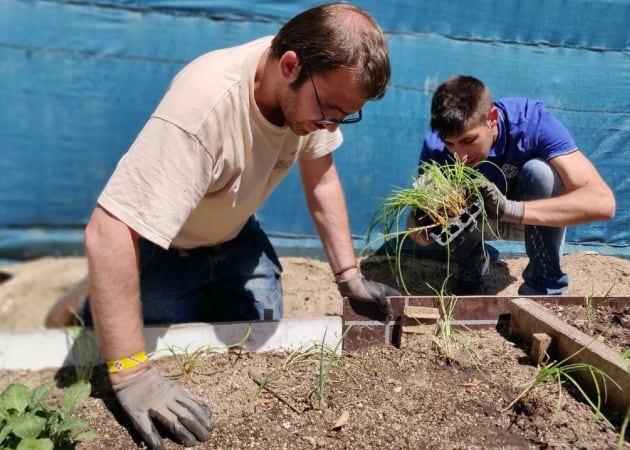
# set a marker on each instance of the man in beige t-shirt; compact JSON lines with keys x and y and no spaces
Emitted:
{"x":174,"y":238}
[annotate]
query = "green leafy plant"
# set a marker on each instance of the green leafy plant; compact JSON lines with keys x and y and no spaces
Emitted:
{"x":27,"y":421}
{"x":448,"y":335}
{"x":85,"y":351}
{"x":441,"y":193}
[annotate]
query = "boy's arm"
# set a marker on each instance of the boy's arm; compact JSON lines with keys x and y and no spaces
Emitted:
{"x":587,"y":197}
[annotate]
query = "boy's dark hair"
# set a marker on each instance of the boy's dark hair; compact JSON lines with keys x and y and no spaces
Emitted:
{"x":458,"y":104}
{"x":335,"y":36}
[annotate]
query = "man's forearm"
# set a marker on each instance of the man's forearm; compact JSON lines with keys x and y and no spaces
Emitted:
{"x":327,"y":206}
{"x":574,"y":208}
{"x":334,"y":231}
{"x":114,"y":290}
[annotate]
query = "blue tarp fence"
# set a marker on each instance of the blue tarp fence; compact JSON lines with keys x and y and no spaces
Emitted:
{"x":78,"y":79}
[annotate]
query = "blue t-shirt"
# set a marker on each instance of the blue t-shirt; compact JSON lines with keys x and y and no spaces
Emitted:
{"x":527,"y":130}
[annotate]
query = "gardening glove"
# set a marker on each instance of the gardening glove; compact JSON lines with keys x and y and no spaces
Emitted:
{"x":149,"y":396}
{"x":497,"y":206}
{"x":360,"y":289}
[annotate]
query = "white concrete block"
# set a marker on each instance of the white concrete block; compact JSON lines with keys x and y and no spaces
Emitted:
{"x":57,"y":348}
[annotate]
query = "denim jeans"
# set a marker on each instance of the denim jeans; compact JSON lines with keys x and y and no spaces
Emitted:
{"x":238,"y":280}
{"x":544,"y":245}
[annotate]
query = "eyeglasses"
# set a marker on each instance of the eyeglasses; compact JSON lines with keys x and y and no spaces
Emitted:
{"x":351,"y":118}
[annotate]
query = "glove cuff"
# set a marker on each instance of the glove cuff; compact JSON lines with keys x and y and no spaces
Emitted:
{"x":514,"y":211}
{"x":338,"y":275}
{"x":346,"y":281}
{"x":140,"y":378}
{"x":350,"y":285}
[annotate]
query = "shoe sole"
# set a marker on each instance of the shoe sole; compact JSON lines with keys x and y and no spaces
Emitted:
{"x":65,"y":310}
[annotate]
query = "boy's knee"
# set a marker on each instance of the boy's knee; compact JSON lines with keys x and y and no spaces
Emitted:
{"x":538,"y":179}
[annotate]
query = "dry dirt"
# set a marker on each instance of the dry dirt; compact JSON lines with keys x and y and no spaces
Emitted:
{"x":384,"y":397}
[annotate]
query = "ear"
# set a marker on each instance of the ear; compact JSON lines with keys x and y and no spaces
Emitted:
{"x":493,"y":116}
{"x":290,"y":66}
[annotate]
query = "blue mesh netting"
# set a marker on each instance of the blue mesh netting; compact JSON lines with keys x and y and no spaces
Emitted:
{"x":80,"y":78}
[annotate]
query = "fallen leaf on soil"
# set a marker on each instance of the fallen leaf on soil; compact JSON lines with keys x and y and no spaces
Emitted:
{"x":473,"y":382}
{"x":341,"y":421}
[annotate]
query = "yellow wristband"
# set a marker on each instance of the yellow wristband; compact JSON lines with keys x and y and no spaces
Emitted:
{"x":126,"y":363}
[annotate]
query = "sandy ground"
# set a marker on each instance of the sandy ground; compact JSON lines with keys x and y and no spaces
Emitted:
{"x":32,"y":287}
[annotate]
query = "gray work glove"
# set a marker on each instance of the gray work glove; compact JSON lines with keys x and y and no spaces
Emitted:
{"x":360,"y":289}
{"x":497,"y":206}
{"x":149,"y":396}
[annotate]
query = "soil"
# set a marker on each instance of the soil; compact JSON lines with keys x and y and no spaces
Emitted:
{"x":380,"y":397}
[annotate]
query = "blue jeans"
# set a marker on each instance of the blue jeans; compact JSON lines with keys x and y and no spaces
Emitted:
{"x":238,"y":280}
{"x":544,"y":245}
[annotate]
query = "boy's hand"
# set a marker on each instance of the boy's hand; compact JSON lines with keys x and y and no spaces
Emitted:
{"x":417,"y":219}
{"x":497,"y":206}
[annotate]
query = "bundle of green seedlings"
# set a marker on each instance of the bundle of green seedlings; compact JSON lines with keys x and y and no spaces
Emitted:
{"x":439,"y":195}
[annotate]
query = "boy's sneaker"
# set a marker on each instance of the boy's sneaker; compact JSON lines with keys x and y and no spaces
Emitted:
{"x":65,"y":311}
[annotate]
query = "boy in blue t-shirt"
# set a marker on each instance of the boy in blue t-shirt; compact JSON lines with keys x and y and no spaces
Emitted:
{"x":540,"y":181}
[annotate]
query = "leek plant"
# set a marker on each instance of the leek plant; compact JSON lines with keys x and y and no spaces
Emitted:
{"x":442,"y":192}
{"x":591,"y":308}
{"x":446,"y":336}
{"x":443,"y":340}
{"x":559,"y":372}
{"x":189,"y":360}
{"x":331,"y":362}
{"x":623,"y":429}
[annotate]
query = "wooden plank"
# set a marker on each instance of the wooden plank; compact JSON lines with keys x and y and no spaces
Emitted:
{"x":368,"y":327}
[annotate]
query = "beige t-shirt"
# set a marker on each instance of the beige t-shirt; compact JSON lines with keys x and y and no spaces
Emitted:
{"x":207,"y":159}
